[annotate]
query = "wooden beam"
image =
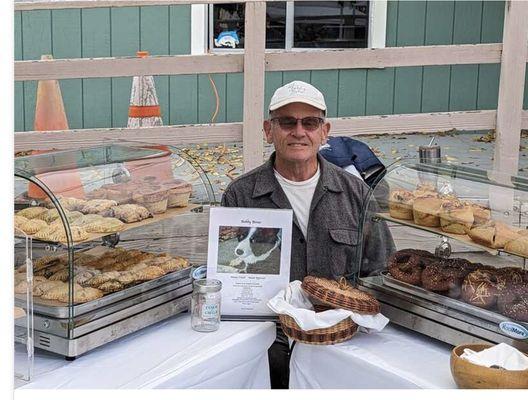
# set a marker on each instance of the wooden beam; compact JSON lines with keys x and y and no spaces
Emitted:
{"x":254,"y":49}
{"x":232,"y":132}
{"x":384,"y":58}
{"x":275,"y":61}
{"x":26,"y":5}
{"x":170,"y":135}
{"x":511,"y":87}
{"x":127,"y":66}
{"x":412,"y":123}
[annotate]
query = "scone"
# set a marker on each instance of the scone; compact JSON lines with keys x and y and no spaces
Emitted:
{"x":455,"y":217}
{"x":81,"y":295}
{"x":426,"y":211}
{"x":401,"y":204}
{"x":179,"y":192}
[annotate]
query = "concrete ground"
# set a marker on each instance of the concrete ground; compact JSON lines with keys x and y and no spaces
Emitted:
{"x":222,"y":163}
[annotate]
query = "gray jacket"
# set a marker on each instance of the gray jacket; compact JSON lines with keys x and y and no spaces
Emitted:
{"x":331,"y":248}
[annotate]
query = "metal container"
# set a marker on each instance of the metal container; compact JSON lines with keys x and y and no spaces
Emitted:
{"x":205,"y":305}
{"x":430,"y":154}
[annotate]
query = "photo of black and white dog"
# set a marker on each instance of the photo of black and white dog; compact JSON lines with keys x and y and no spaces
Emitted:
{"x":249,"y":250}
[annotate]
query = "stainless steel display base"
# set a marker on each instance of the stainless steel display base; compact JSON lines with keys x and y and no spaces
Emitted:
{"x":80,"y":345}
{"x":436,"y":319}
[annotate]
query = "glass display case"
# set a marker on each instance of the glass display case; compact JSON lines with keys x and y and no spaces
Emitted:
{"x":108,"y":230}
{"x":457,"y":270}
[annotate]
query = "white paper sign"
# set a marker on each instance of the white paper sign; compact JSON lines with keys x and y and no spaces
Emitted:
{"x":249,"y":251}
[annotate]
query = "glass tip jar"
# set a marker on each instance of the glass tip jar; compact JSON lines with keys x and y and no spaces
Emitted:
{"x":205,"y":305}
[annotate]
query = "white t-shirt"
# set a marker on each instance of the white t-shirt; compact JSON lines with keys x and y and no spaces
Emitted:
{"x":300,"y":195}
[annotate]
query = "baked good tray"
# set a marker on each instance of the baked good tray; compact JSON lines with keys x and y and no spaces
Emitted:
{"x":482,"y":313}
{"x":58,"y":309}
{"x":170,"y":213}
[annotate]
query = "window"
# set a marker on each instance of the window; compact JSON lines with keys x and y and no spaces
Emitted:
{"x":302,"y":25}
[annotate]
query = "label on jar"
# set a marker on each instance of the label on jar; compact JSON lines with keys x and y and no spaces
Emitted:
{"x":210,"y":311}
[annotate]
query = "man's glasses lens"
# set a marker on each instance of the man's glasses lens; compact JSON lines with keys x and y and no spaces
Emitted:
{"x":308,"y":123}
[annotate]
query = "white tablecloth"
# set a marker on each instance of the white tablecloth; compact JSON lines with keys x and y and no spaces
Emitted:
{"x":395,"y":358}
{"x":166,"y":355}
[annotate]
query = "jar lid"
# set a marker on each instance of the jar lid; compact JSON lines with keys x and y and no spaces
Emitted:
{"x":207,"y":285}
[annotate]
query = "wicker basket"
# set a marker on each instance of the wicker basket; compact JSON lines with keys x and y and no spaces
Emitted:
{"x":340,"y":295}
{"x":338,"y":333}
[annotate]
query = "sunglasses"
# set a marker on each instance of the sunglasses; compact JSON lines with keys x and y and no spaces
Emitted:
{"x":308,"y":123}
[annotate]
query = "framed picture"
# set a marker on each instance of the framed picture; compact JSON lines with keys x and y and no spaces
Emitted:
{"x":249,"y":252}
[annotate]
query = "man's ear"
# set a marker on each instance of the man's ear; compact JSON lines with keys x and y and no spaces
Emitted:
{"x":267,"y":131}
{"x":325,"y":132}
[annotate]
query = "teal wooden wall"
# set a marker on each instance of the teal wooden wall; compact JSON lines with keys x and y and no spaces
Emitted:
{"x":163,"y":30}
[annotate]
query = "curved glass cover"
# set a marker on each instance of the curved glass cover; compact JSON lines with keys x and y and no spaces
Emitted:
{"x":459,"y":237}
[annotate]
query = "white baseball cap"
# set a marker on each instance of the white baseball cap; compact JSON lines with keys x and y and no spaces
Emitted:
{"x":297,"y":92}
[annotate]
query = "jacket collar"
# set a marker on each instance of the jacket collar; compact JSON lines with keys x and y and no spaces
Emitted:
{"x":267,"y":183}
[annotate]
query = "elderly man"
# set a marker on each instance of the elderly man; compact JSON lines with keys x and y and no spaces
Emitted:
{"x":327,"y":202}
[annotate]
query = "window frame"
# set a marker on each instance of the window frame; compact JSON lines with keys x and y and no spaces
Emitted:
{"x":202,"y":40}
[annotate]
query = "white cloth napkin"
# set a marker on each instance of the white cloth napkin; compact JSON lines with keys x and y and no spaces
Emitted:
{"x":502,"y":355}
{"x":295,"y":303}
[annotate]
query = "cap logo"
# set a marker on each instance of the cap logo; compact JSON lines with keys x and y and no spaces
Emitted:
{"x":296,"y":89}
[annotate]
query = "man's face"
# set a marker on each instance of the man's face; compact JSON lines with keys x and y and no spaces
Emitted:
{"x":299,"y":142}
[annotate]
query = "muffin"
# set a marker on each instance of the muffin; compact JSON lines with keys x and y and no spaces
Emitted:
{"x":120,"y":193}
{"x":153,"y":197}
{"x":481,"y":214}
{"x":400,"y":204}
{"x":179,"y":192}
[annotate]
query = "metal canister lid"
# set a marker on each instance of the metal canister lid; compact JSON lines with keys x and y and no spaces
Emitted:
{"x":207,"y":285}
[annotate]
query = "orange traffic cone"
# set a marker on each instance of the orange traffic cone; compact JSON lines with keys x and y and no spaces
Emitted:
{"x":144,"y":110}
{"x":51,"y":116}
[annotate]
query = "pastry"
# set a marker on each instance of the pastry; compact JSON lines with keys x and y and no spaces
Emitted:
{"x":97,"y":206}
{"x":150,"y":272}
{"x":130,"y":213}
{"x":426,"y":211}
{"x":455,"y":217}
{"x":128,"y":278}
{"x":42,"y":287}
{"x":81,"y":295}
{"x":110,"y":286}
{"x":52,"y":216}
{"x":22,"y":285}
{"x":98,"y":280}
{"x":153,"y":197}
{"x":57,"y":233}
{"x":86,"y":219}
{"x":179,"y":192}
{"x":32,"y":212}
{"x":60,"y":291}
{"x":32,"y":226}
{"x":425,"y":190}
{"x":84,"y":275}
{"x":480,"y":288}
{"x":20,"y":220}
{"x":67,"y":203}
{"x":481,"y":214}
{"x":518,"y":246}
{"x":104,"y":225}
{"x":493,"y":234}
{"x":169,"y":264}
{"x":400,"y":204}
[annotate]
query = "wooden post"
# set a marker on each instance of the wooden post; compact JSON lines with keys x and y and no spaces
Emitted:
{"x":511,"y":87}
{"x":254,"y":52}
